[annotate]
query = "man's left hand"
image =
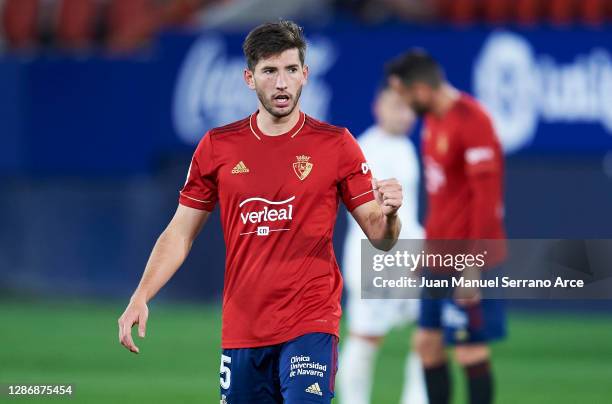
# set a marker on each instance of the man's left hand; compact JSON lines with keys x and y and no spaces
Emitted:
{"x":388,"y":194}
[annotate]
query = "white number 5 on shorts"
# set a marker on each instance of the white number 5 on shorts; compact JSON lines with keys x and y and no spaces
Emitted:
{"x":226,"y":373}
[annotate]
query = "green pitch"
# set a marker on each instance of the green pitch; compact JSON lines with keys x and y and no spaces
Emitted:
{"x":548,"y":358}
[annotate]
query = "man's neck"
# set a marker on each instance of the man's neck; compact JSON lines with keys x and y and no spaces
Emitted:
{"x":445,"y":98}
{"x":273,"y":126}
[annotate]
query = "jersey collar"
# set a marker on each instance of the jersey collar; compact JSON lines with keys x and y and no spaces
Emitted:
{"x":293,"y":132}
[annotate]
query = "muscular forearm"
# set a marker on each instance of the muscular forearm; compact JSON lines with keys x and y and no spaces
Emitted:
{"x":167,"y":256}
{"x":384,"y":230}
{"x":169,"y":252}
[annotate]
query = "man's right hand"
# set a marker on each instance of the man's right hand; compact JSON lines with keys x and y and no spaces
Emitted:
{"x":136,"y":312}
{"x":466,"y":295}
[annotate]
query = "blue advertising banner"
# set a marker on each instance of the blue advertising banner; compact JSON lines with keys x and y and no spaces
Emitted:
{"x":548,"y":91}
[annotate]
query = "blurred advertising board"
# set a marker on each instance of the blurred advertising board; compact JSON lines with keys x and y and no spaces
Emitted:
{"x":549,"y":92}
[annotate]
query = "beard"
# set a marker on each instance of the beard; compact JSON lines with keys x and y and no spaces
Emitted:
{"x":274,"y":111}
{"x":419,"y":109}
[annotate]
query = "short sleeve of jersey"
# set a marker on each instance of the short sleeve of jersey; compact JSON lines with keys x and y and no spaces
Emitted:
{"x":200,"y":189}
{"x":355,"y":178}
{"x":481,"y":146}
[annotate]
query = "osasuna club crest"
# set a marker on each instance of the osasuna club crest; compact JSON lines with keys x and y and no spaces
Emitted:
{"x":302,"y":167}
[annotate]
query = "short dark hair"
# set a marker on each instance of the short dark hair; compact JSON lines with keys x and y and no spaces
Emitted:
{"x":416,"y":66}
{"x":273,"y":38}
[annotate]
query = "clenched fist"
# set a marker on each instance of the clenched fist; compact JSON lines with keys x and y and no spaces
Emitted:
{"x":388,"y":194}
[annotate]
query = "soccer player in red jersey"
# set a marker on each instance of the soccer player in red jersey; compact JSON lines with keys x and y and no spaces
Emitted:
{"x":464,"y":180}
{"x":278,"y":176}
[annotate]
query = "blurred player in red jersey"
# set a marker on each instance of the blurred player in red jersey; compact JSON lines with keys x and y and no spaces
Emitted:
{"x":464,"y":181}
{"x":278,"y":176}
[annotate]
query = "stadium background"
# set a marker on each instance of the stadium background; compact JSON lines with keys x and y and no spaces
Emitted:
{"x":100,"y":109}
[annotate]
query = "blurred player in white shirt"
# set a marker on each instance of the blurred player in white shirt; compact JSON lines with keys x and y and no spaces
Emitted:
{"x":390,"y":154}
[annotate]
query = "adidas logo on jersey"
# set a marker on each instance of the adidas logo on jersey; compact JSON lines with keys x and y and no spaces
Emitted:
{"x":240,"y":168}
{"x":314,"y":389}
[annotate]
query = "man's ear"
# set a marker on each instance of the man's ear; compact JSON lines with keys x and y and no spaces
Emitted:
{"x":395,"y":83}
{"x":249,"y":79}
{"x":306,"y":72}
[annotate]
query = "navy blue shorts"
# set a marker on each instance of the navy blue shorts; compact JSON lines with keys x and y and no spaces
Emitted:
{"x":480,"y":323}
{"x":301,"y":370}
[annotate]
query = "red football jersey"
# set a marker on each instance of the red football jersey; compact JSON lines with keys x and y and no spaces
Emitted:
{"x":463,"y":174}
{"x":279,"y":198}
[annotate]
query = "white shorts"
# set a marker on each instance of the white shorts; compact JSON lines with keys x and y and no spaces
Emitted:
{"x":376,"y":317}
{"x":371,"y":317}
